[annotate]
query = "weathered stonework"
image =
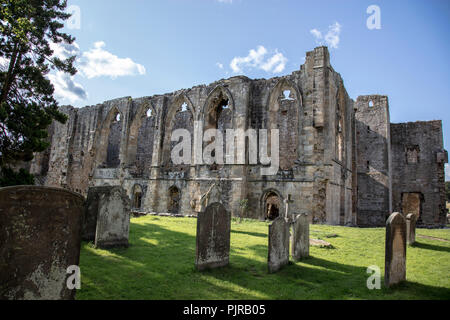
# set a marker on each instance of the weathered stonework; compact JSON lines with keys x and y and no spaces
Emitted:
{"x":213,"y":237}
{"x":418,"y":177}
{"x":395,"y":259}
{"x":325,"y":145}
{"x":278,"y":254}
{"x":111,"y":206}
{"x":39,"y":239}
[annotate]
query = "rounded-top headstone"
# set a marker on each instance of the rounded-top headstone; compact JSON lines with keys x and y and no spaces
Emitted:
{"x":40,"y":237}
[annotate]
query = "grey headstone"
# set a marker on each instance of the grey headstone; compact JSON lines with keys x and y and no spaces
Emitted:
{"x":278,"y":244}
{"x":213,"y":237}
{"x":113,"y":218}
{"x":395,"y":259}
{"x":300,"y":236}
{"x":411,"y":220}
{"x":39,"y":239}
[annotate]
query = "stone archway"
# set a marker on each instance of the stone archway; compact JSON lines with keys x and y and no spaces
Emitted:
{"x":137,"y":197}
{"x":272,"y":205}
{"x":283,"y":114}
{"x":174,"y":199}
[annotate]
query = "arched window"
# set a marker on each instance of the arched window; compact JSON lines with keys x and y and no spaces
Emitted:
{"x":218,"y":115}
{"x":180,"y":117}
{"x":283,"y":115}
{"x":137,"y":197}
{"x":174,"y":199}
{"x":114,"y":139}
{"x":144,"y":143}
{"x":272,"y":205}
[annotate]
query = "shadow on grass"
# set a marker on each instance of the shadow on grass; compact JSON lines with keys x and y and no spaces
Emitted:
{"x":427,"y":246}
{"x":253,"y":234}
{"x":159,"y":264}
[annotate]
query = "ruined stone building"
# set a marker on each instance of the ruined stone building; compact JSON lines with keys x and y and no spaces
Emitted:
{"x":341,"y":161}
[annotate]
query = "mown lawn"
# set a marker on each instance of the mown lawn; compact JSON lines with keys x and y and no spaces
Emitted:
{"x":159,"y":264}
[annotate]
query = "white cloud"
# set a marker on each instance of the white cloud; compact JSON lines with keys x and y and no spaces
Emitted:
{"x":219,"y":65}
{"x":64,"y":50}
{"x":225,"y":1}
{"x":331,"y":38}
{"x":255,"y":59}
{"x":66,"y":88}
{"x":98,"y":62}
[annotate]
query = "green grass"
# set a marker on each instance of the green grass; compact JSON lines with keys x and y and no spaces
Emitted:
{"x":159,"y":264}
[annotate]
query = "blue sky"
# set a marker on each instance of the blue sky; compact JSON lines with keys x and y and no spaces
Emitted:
{"x":141,"y":48}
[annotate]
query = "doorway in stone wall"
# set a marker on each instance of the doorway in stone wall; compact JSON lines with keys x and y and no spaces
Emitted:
{"x":272,"y":205}
{"x":137,"y":197}
{"x":174,"y":200}
{"x":412,"y":203}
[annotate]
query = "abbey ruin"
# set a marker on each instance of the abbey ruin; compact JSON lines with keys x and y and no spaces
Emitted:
{"x":341,"y":161}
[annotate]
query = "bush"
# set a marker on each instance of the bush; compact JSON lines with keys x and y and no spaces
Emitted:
{"x":8,"y":177}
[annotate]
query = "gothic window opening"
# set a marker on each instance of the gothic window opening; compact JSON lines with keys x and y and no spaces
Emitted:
{"x":174,"y":200}
{"x":412,"y":154}
{"x":284,"y":116}
{"x":272,"y":206}
{"x":114,"y":138}
{"x":145,"y":141}
{"x":137,"y":197}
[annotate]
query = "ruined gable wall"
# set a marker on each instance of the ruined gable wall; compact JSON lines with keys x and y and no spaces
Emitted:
{"x":373,"y":160}
{"x":426,"y":176}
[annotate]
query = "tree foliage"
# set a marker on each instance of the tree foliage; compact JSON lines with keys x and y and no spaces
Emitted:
{"x":27,"y":105}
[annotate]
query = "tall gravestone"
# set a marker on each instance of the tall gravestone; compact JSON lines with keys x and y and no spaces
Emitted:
{"x":39,"y":239}
{"x":395,"y":259}
{"x":300,"y":236}
{"x":112,"y":207}
{"x":278,"y":244}
{"x":91,"y":211}
{"x":213,"y":237}
{"x":411,"y":220}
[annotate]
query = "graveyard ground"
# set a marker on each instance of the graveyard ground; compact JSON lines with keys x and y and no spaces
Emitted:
{"x":159,"y":264}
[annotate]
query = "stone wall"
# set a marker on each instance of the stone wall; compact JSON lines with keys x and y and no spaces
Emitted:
{"x":418,"y":168}
{"x":373,"y":145}
{"x":324,"y":146}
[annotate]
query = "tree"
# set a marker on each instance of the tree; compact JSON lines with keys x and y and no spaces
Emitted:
{"x":27,"y":105}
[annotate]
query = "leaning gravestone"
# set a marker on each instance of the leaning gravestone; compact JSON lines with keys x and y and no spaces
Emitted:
{"x":39,"y":239}
{"x":411,"y":220}
{"x":213,"y":237}
{"x":395,"y":259}
{"x":300,"y":236}
{"x":278,"y":244}
{"x":113,"y":216}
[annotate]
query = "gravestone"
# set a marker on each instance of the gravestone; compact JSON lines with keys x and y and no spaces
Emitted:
{"x":39,"y":239}
{"x":213,"y":237}
{"x":90,"y":212}
{"x":395,"y":259}
{"x":300,"y":236}
{"x":112,"y":207}
{"x":278,"y":244}
{"x":411,"y":220}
